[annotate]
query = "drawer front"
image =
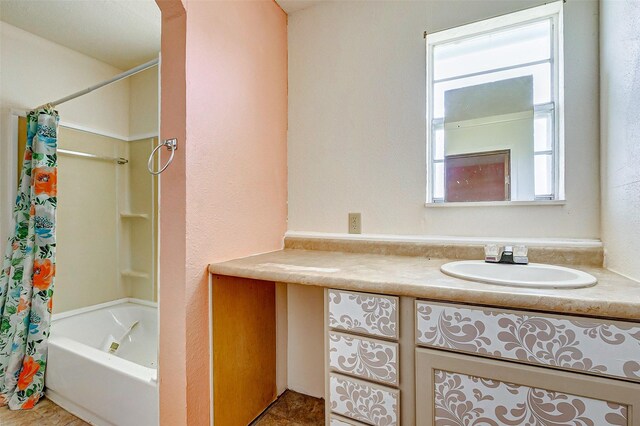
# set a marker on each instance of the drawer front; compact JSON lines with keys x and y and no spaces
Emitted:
{"x":600,"y":347}
{"x":505,"y":403}
{"x":364,"y":313}
{"x":363,"y":357}
{"x":362,"y":401}
{"x":456,"y":389}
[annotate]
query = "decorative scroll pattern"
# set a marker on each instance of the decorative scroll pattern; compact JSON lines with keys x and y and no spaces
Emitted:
{"x":583,"y":344}
{"x":368,"y":403}
{"x":462,"y":400}
{"x":364,"y":313}
{"x":371,"y":359}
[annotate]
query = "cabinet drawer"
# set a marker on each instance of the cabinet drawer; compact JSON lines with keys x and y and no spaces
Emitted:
{"x":362,"y":401}
{"x":454,"y":388}
{"x":364,"y":313}
{"x":601,"y":347}
{"x":370,"y":359}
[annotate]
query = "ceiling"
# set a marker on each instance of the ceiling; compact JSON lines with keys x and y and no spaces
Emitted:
{"x":122,"y":33}
{"x":291,"y":6}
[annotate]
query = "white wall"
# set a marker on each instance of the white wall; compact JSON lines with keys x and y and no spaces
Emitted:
{"x":143,"y":104}
{"x":620,"y":117}
{"x":305,"y":346}
{"x":89,"y":200}
{"x":357,"y":121}
{"x":34,"y":71}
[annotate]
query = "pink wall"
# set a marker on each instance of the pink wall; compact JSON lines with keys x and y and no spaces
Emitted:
{"x":172,"y":342}
{"x":226,"y":195}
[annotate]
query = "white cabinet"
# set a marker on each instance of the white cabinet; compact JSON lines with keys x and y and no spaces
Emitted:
{"x":475,"y":365}
{"x":362,"y":358}
{"x":454,"y":389}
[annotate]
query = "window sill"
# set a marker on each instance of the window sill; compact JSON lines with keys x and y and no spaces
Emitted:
{"x":498,"y":203}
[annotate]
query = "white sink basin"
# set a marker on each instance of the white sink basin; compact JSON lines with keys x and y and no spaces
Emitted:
{"x":533,"y":275}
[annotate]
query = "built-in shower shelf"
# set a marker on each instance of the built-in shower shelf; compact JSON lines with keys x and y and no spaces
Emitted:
{"x":134,"y":215}
{"x":134,"y":274}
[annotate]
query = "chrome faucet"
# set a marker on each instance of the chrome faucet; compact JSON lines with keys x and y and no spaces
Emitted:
{"x":495,"y":253}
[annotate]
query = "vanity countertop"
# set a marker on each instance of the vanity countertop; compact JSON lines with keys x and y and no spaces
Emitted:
{"x":614,"y":296}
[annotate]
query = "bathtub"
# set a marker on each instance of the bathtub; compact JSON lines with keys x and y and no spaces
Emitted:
{"x":101,"y":388}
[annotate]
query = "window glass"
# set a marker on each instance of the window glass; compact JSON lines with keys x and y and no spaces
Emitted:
{"x":543,"y":175}
{"x":438,"y":151}
{"x":542,"y":135}
{"x":500,"y":49}
{"x":438,"y":180}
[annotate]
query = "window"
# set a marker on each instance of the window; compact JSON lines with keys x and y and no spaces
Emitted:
{"x":521,"y":44}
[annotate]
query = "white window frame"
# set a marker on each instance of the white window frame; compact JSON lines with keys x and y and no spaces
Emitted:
{"x":552,"y":11}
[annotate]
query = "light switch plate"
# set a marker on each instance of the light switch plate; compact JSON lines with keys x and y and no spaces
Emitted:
{"x":355,"y":223}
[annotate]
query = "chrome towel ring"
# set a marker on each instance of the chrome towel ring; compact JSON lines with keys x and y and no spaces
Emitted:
{"x":172,"y":145}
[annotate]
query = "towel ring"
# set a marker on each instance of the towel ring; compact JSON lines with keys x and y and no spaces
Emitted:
{"x":172,"y":145}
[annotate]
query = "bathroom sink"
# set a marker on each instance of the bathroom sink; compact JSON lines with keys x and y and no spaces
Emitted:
{"x":533,"y":275}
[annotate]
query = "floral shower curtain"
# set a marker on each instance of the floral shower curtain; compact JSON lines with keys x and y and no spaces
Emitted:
{"x":28,"y":270}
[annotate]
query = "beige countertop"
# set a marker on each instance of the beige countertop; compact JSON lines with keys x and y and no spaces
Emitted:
{"x":614,"y":296}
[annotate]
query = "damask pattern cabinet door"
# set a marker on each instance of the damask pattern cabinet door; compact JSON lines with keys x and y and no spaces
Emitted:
{"x":454,"y":389}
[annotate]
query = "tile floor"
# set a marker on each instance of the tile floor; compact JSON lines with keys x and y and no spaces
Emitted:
{"x":293,"y":409}
{"x":45,"y":413}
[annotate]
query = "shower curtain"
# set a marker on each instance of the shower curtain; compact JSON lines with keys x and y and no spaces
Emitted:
{"x":28,"y":270}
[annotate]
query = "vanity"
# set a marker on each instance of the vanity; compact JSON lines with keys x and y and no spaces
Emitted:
{"x":477,"y":364}
{"x":406,"y":344}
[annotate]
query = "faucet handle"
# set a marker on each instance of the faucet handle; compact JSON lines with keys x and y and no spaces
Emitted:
{"x":492,"y":252}
{"x":520,"y":254}
{"x":520,"y":250}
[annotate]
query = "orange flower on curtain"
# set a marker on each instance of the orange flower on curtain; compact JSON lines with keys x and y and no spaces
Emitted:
{"x":31,"y":402}
{"x":45,"y":181}
{"x":24,"y":304}
{"x":29,"y":369}
{"x":43,"y":273}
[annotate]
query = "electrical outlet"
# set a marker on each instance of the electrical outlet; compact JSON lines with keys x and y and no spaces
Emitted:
{"x":355,"y":223}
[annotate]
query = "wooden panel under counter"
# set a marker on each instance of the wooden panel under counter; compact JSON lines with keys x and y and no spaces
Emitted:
{"x":244,"y":349}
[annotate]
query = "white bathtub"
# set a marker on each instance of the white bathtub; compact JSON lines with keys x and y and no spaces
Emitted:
{"x":101,"y":388}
